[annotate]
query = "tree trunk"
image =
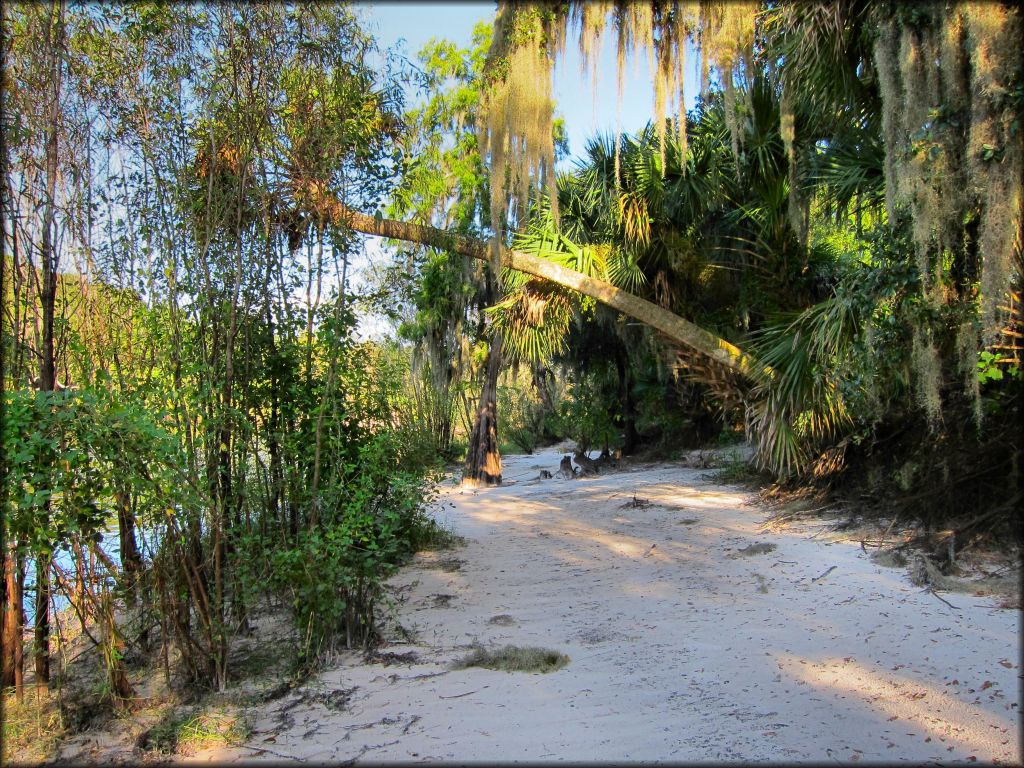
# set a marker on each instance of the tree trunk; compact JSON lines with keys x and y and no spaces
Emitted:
{"x":42,"y":623}
{"x":629,"y":435}
{"x":676,"y":328}
{"x":483,"y":459}
{"x":50,"y":262}
{"x":113,"y":646}
{"x":13,"y":664}
{"x":543,"y":383}
{"x":131,"y":559}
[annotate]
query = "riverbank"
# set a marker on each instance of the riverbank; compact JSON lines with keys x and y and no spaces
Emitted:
{"x":695,"y":629}
{"x":698,"y":625}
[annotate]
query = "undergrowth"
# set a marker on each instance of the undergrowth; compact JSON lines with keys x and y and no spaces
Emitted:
{"x":31,"y":727}
{"x":188,"y":731}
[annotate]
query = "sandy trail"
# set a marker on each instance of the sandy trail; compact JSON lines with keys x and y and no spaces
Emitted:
{"x":683,"y":647}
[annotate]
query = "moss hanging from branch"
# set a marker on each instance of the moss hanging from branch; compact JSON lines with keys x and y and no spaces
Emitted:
{"x":947,"y":77}
{"x":726,"y":39}
{"x":891,"y":89}
{"x":515,"y":127}
{"x":592,"y":20}
{"x":798,"y":207}
{"x":994,"y":34}
{"x":919,"y":173}
{"x":967,"y":360}
{"x":927,"y":367}
{"x":950,"y":77}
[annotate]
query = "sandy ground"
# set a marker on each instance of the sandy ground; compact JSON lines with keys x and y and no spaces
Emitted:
{"x":685,"y":645}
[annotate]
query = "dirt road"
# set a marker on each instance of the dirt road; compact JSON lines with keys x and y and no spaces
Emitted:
{"x":693,"y":635}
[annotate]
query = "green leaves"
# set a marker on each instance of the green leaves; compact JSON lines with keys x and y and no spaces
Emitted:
{"x":801,"y":405}
{"x":370,"y":519}
{"x":988,"y":367}
{"x":66,"y":454}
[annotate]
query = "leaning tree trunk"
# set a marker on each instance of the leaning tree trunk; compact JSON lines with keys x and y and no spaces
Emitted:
{"x":672,"y":325}
{"x":483,"y":459}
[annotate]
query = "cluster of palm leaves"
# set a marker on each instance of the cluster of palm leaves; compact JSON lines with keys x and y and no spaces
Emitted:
{"x":764,"y":241}
{"x":709,"y":236}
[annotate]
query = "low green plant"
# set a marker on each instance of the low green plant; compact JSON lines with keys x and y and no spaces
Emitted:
{"x":522,"y":417}
{"x":586,"y":415}
{"x":371,"y":519}
{"x":737,"y":471}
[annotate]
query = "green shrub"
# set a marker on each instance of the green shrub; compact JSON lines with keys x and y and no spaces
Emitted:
{"x":371,"y":519}
{"x":586,"y":416}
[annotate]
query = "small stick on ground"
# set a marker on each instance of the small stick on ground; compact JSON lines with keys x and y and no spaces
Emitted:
{"x":826,"y":573}
{"x":460,"y":695}
{"x":272,"y":752}
{"x":932,"y":590}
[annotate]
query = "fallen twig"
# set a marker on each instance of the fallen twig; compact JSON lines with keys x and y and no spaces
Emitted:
{"x":367,"y":748}
{"x":826,"y":573}
{"x":271,"y":752}
{"x":415,"y":719}
{"x":932,"y":590}
{"x":424,"y":676}
{"x":460,"y":695}
{"x":786,"y":517}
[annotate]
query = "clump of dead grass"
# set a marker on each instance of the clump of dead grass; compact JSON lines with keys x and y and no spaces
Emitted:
{"x":190,"y":730}
{"x":925,"y":573}
{"x":513,"y":658}
{"x":32,"y":727}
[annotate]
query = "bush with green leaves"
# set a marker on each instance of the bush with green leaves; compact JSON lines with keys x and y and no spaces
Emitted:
{"x":371,"y":519}
{"x":587,"y":414}
{"x":71,"y":459}
{"x":67,"y":453}
{"x":522,"y":416}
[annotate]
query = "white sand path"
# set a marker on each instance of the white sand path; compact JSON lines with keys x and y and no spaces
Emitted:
{"x":682,"y":649}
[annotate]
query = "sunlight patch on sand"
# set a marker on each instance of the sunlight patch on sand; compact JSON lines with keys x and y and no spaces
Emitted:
{"x":912,"y":701}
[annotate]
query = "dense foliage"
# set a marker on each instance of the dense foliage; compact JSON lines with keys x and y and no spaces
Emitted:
{"x":213,"y":434}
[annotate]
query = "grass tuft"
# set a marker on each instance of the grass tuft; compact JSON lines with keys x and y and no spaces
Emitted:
{"x":513,"y":658}
{"x":184,"y":733}
{"x":31,"y":728}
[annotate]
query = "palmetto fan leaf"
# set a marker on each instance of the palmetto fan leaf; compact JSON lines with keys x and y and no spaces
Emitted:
{"x":799,"y":403}
{"x":624,"y":271}
{"x":851,"y":170}
{"x":533,"y":320}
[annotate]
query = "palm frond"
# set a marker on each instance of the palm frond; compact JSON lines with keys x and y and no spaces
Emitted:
{"x":533,"y":320}
{"x":624,"y":271}
{"x":800,"y":404}
{"x":635,"y":218}
{"x":851,"y":170}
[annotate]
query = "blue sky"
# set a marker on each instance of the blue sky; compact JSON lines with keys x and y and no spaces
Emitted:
{"x":417,"y":22}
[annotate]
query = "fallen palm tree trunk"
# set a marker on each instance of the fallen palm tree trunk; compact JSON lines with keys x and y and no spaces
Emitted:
{"x":673,"y":326}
